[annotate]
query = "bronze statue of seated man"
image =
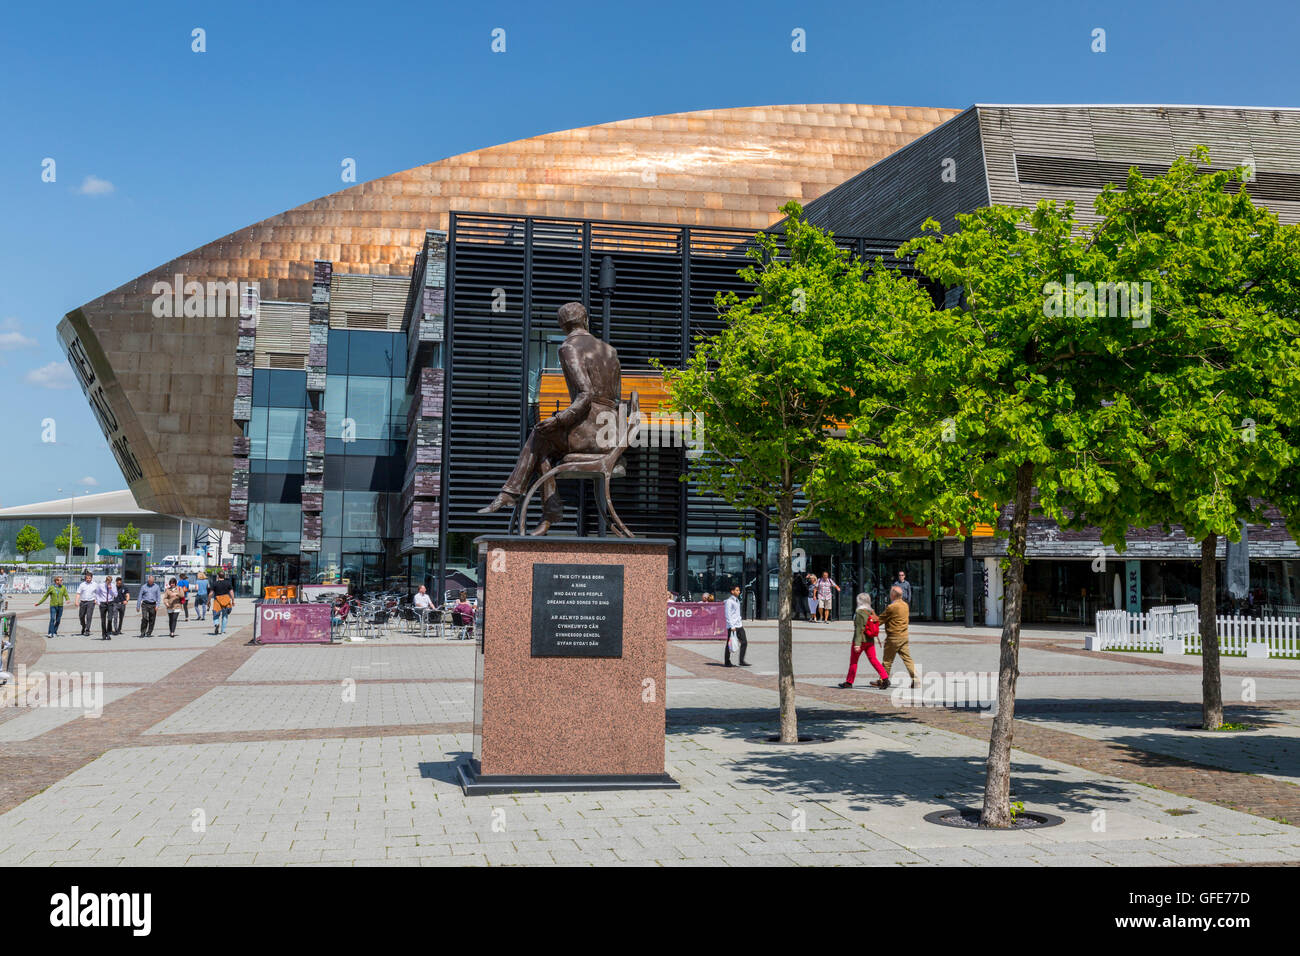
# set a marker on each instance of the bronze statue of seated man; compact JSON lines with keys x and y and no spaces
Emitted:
{"x":594,"y":379}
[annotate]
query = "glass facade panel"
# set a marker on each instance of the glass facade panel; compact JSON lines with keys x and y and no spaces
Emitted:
{"x":361,"y":514}
{"x":286,"y":436}
{"x":368,"y":403}
{"x":376,"y":354}
{"x":282,"y":522}
{"x":286,"y":388}
{"x":337,"y":357}
{"x":257,"y":433}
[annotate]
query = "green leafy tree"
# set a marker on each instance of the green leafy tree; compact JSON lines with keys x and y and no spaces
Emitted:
{"x":61,"y":542}
{"x":28,"y":540}
{"x":1213,"y":384}
{"x":771,"y":386}
{"x":128,"y":538}
{"x":1005,"y":403}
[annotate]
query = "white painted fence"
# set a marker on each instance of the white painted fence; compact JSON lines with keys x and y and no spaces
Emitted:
{"x":1176,"y":630}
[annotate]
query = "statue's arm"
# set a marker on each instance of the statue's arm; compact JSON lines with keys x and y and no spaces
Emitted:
{"x":581,"y":382}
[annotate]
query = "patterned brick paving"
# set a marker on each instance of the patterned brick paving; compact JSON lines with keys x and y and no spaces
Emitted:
{"x":33,"y":765}
{"x":1249,"y":793}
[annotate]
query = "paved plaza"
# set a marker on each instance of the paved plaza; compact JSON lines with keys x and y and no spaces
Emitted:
{"x":208,"y":751}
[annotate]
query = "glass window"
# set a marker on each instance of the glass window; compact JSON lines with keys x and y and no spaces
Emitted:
{"x":257,"y":434}
{"x":399,"y":405}
{"x":286,"y":433}
{"x":255,"y":512}
{"x":288,"y":389}
{"x":332,"y":515}
{"x":368,"y":404}
{"x":361,"y":514}
{"x":372,"y":353}
{"x":282,"y":522}
{"x":336,"y":404}
{"x":273,"y":487}
{"x":261,"y":386}
{"x":337,"y":352}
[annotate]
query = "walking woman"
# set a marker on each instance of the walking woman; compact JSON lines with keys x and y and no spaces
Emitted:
{"x":57,"y":595}
{"x":223,"y":602}
{"x":173,"y":598}
{"x":811,"y":581}
{"x":866,"y":628}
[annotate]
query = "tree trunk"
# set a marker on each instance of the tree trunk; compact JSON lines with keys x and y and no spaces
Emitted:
{"x":1211,"y":684}
{"x":997,"y":782}
{"x":785,"y":626}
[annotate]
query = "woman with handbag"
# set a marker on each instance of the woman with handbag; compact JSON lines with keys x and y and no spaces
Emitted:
{"x":172,"y":600}
{"x":223,"y":601}
{"x":866,"y":628}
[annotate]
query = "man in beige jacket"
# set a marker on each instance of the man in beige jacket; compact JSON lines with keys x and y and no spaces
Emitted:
{"x":895,"y":619}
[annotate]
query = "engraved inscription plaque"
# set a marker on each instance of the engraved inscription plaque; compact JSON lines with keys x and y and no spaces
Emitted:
{"x":577,"y":610}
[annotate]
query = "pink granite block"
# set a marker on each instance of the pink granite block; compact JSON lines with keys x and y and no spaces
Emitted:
{"x":544,"y":716}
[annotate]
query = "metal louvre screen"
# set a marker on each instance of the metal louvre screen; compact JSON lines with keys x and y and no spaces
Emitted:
{"x":507,"y":276}
{"x":486,"y":360}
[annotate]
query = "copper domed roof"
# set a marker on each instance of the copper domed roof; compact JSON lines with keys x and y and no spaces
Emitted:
{"x":169,"y":383}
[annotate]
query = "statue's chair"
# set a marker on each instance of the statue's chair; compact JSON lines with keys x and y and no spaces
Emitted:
{"x":600,"y":467}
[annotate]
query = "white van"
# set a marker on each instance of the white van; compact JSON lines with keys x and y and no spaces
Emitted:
{"x":191,"y":563}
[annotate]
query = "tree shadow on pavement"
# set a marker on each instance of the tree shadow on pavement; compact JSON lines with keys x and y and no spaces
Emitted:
{"x":739,"y":723}
{"x":897,"y":778}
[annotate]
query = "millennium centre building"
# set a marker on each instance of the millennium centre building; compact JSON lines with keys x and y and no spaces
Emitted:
{"x":369,"y":362}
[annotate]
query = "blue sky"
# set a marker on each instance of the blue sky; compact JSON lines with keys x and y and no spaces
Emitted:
{"x":159,"y":149}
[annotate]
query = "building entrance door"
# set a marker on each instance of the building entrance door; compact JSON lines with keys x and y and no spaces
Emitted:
{"x":712,"y":573}
{"x":919,"y":573}
{"x":280,"y":569}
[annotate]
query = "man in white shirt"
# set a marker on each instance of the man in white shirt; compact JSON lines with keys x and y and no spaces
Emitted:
{"x":735,"y":625}
{"x":86,"y":603}
{"x":422,"y":599}
{"x":104,"y":595}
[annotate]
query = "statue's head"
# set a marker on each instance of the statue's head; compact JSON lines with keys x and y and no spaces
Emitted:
{"x":572,"y":315}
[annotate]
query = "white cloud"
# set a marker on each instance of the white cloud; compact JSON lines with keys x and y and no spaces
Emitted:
{"x":53,"y":375}
{"x":9,"y":341}
{"x":94,"y":186}
{"x":89,"y":482}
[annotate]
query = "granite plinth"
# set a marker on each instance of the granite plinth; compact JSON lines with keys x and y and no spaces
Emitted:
{"x":568,"y":722}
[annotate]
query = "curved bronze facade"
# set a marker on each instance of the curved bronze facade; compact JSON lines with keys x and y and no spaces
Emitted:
{"x":163,"y":387}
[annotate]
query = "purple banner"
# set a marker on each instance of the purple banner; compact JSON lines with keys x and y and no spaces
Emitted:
{"x":696,"y":622}
{"x":293,"y":624}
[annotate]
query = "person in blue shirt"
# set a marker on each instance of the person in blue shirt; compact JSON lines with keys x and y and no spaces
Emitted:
{"x":184,"y":585}
{"x":146,"y":602}
{"x":201,"y":595}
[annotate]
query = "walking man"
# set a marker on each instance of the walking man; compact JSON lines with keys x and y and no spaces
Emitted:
{"x":895,"y":618}
{"x":146,"y":602}
{"x":119,"y":607}
{"x":58,"y":596}
{"x":86,"y":603}
{"x":905,"y":586}
{"x":824,"y":585}
{"x":736,"y":626}
{"x":106,"y":598}
{"x":184,"y":585}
